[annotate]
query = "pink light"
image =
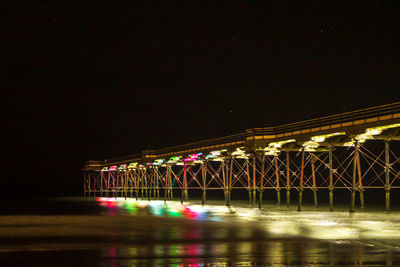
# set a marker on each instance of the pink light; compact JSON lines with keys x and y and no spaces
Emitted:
{"x":190,"y":213}
{"x":113,"y":252}
{"x":102,"y":199}
{"x":111,"y":204}
{"x":193,"y":157}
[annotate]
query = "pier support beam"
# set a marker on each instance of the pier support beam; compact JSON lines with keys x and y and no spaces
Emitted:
{"x":114,"y":190}
{"x":254,"y":182}
{"x":184,"y":184}
{"x":330,"y":180}
{"x":261,"y":182}
{"x":287,"y":179}
{"x":141,"y":184}
{"x":387,"y":177}
{"x":314,"y":186}
{"x":352,"y":200}
{"x":153,"y":169}
{"x":101,"y":184}
{"x":108,"y":184}
{"x":230,"y":181}
{"x":299,"y":208}
{"x":149,"y":184}
{"x":157,"y":183}
{"x":126,"y":184}
{"x":171,"y":192}
{"x":278,"y":190}
{"x":204,"y":181}
{"x":166,"y":188}
{"x":353,"y":188}
{"x":224,"y":181}
{"x":144,"y":184}
{"x":360,"y":183}
{"x":248,"y":180}
{"x":136,"y":179}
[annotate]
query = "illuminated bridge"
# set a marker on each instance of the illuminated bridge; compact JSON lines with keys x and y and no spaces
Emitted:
{"x":350,"y":151}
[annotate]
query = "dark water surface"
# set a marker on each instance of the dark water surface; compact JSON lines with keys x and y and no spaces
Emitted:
{"x":118,"y":232}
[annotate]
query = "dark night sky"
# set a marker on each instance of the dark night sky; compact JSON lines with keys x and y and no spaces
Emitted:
{"x":94,"y":80}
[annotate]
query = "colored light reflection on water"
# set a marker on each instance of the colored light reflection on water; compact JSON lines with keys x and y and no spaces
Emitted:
{"x":156,"y":208}
{"x":144,"y":233}
{"x":315,"y":225}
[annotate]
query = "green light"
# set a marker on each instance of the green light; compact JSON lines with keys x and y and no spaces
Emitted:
{"x":131,"y":207}
{"x":173,"y":211}
{"x":132,"y":165}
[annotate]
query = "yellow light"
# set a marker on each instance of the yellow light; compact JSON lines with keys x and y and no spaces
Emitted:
{"x":310,"y":146}
{"x":240,"y":153}
{"x":273,"y":148}
{"x":322,"y":138}
{"x":371,"y":132}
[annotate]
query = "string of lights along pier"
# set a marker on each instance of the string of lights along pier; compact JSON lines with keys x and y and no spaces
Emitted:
{"x":351,"y":151}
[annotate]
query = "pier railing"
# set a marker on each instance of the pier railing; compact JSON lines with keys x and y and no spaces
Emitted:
{"x":362,"y":114}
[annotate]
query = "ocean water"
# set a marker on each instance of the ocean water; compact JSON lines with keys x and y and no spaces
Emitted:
{"x":119,"y":232}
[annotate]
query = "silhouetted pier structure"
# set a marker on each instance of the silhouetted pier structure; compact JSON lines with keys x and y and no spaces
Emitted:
{"x":327,"y":153}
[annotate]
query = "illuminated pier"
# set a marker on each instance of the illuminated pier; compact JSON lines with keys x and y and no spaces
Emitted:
{"x":328,"y":153}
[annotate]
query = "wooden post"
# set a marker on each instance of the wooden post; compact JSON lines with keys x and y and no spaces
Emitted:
{"x":148,"y":190}
{"x":360,"y":185}
{"x":254,"y":181}
{"x":114,"y":190}
{"x":330,"y":180}
{"x":171,"y":192}
{"x":204,"y":177}
{"x":287,"y":179}
{"x":314,"y":186}
{"x":157,"y":183}
{"x":262,"y":181}
{"x":141,"y":183}
{"x":224,"y":174}
{"x":278,"y":189}
{"x":132,"y":182}
{"x":183,"y":191}
{"x":166,"y":185}
{"x":299,"y":208}
{"x":136,"y":178}
{"x":101,"y":183}
{"x":387,"y":177}
{"x":230,"y":182}
{"x":353,"y":188}
{"x":248,"y":179}
{"x":153,"y":174}
{"x":125,"y":187}
{"x":108,"y":183}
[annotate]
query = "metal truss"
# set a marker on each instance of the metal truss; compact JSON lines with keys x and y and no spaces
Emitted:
{"x":356,"y":168}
